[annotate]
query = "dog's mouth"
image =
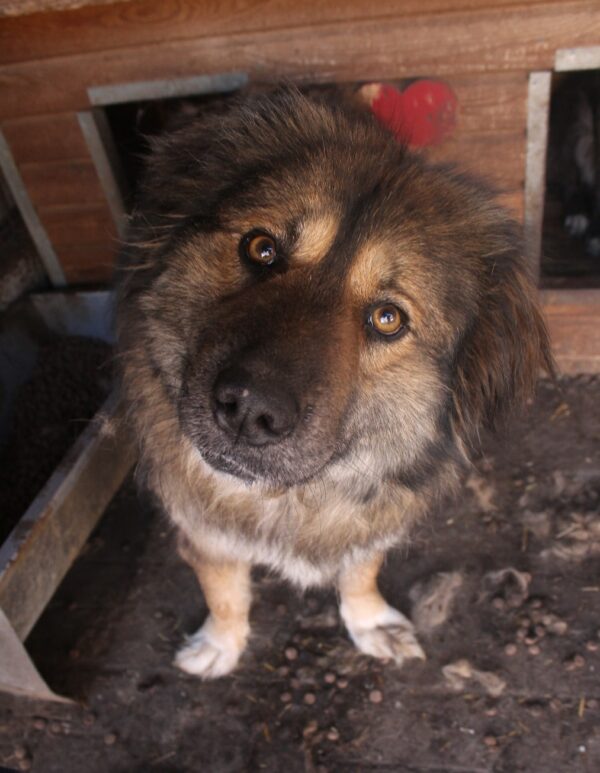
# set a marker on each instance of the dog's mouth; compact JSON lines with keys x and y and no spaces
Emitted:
{"x":279,"y":478}
{"x":261,"y":422}
{"x":230,"y":465}
{"x":265,"y":453}
{"x":294,"y":462}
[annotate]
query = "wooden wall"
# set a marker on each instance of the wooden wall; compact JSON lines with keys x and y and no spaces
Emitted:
{"x":484,"y":49}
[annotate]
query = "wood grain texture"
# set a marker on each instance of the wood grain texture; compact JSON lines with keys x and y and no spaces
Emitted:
{"x":573,"y":318}
{"x":42,"y":138}
{"x":491,"y":102}
{"x":510,"y":39}
{"x":85,"y":240}
{"x":55,"y":183}
{"x":499,"y":158}
{"x":89,"y":264}
{"x":489,"y":138}
{"x":514,"y":202}
{"x":79,"y":224}
{"x":125,"y":24}
{"x":25,"y":7}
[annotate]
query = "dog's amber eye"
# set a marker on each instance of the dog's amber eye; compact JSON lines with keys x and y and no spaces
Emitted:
{"x":387,"y":319}
{"x":260,"y":248}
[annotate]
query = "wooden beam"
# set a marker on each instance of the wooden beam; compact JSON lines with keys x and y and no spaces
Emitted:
{"x":136,"y":23}
{"x":55,"y":183}
{"x":88,"y":264}
{"x":490,"y":102}
{"x":538,"y":114}
{"x":98,"y":136}
{"x":45,"y":542}
{"x":42,"y":138}
{"x":573,"y":318}
{"x":499,"y":39}
{"x":499,"y":159}
{"x":29,"y":214}
{"x":80,"y":223}
{"x":18,"y":674}
{"x":85,"y":239}
{"x":25,"y":7}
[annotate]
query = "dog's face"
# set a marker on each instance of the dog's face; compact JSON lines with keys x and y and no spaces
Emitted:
{"x":318,"y":295}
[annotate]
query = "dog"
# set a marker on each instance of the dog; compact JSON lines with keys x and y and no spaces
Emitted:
{"x":314,"y":325}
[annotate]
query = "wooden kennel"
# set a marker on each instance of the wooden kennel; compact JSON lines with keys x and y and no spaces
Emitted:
{"x":60,"y":67}
{"x":64,"y":63}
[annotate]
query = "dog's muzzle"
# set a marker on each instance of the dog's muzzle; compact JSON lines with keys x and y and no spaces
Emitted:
{"x":252,"y":409}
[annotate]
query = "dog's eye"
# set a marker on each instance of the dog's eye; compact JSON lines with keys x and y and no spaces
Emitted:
{"x":259,"y":248}
{"x":388,"y":320}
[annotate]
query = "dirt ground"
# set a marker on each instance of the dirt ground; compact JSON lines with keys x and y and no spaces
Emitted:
{"x":504,"y":584}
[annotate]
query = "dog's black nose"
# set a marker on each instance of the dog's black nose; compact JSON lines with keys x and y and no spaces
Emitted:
{"x":259,"y":412}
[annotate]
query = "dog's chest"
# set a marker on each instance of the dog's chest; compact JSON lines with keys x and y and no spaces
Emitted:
{"x":306,"y":538}
{"x":306,"y":533}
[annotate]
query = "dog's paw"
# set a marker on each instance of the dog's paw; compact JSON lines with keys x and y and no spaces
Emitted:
{"x":389,"y":635}
{"x":209,"y":653}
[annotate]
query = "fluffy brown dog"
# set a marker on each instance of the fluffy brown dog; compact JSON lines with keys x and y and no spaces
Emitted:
{"x":313,"y":325}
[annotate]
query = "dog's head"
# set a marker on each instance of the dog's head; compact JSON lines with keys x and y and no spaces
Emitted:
{"x":310,"y":292}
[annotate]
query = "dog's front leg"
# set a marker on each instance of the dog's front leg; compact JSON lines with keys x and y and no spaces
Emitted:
{"x":375,"y":627}
{"x":215,"y":648}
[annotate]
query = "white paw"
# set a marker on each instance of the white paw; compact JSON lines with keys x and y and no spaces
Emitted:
{"x":388,"y":635}
{"x":209,"y":653}
{"x":577,"y":225}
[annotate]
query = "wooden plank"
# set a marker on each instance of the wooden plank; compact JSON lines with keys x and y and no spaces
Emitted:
{"x":510,"y":39}
{"x":85,"y":240}
{"x":51,"y":533}
{"x":489,"y":137}
{"x":538,"y":114}
{"x":137,"y":23}
{"x":72,"y":182}
{"x":167,"y":88}
{"x":488,"y":140}
{"x":491,"y":102}
{"x":100,"y":141}
{"x":23,"y":7}
{"x":573,"y":318}
{"x":514,"y":202}
{"x":28,"y":212}
{"x":45,"y":138}
{"x":569,"y":59}
{"x":87,"y":264}
{"x":78,"y":224}
{"x":18,"y":674}
{"x":499,"y":159}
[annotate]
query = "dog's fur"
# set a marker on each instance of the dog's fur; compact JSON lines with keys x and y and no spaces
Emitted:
{"x":381,"y":427}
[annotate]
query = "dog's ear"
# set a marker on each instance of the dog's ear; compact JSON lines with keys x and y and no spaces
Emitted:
{"x":504,"y":350}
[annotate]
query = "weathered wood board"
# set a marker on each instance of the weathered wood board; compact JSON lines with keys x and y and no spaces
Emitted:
{"x":486,"y":49}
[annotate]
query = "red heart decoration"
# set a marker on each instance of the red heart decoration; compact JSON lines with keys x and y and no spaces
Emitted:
{"x":423,"y":114}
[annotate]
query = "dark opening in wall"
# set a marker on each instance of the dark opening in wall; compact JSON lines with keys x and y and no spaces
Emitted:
{"x":571,"y":225}
{"x":134,"y":124}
